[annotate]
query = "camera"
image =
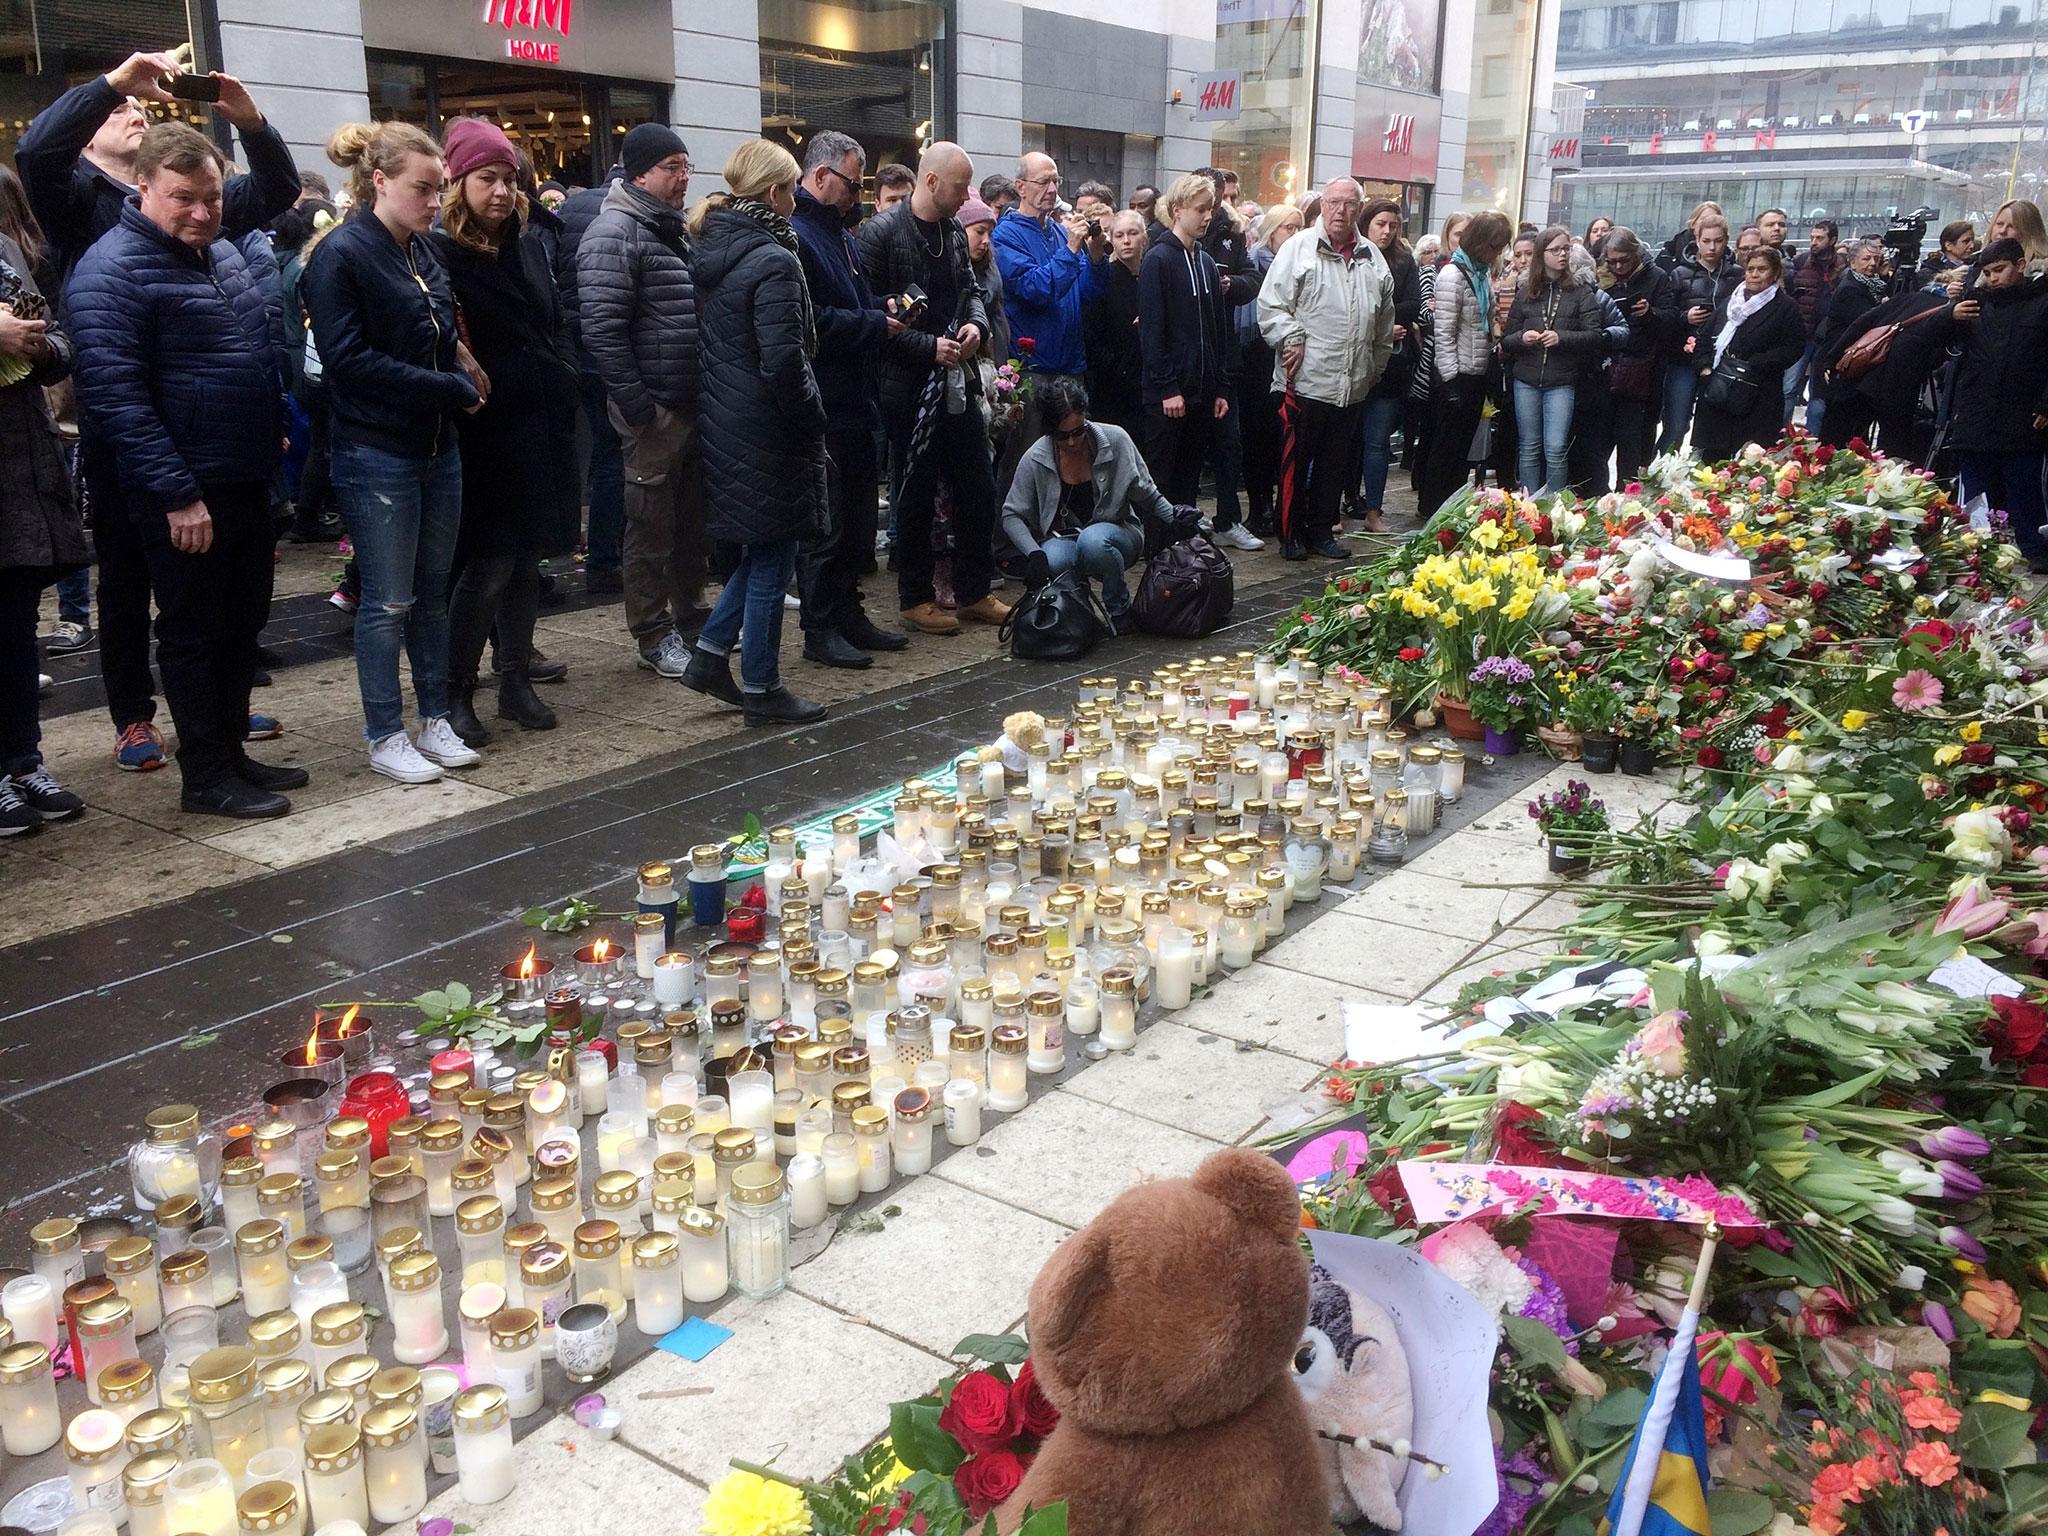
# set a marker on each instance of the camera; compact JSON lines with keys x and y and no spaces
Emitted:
{"x":1095,"y":229}
{"x":193,"y":87}
{"x":1902,"y":238}
{"x":906,"y":306}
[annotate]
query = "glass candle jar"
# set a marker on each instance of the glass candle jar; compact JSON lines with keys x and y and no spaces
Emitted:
{"x":282,"y":1198}
{"x":419,"y":1325}
{"x":144,"y":1482}
{"x":227,"y":1408}
{"x":106,"y":1336}
{"x":161,"y":1431}
{"x":558,"y":1207}
{"x":131,"y":1263}
{"x":515,"y":1359}
{"x":1119,"y":1009}
{"x":277,"y":1336}
{"x":480,"y":1235}
{"x":977,"y":1002}
{"x":1046,"y":1052}
{"x":335,"y":1488}
{"x":962,"y":1101}
{"x":270,"y":1509}
{"x":341,"y":1178}
{"x":600,"y":1273}
{"x":657,"y":1283}
{"x":239,"y":1177}
{"x":758,"y":1225}
{"x":1008,"y":1072}
{"x":706,"y":1270}
{"x":93,"y":1458}
{"x":484,"y":1464}
{"x":338,"y":1330}
{"x":259,"y":1256}
{"x":841,"y":1156}
{"x":29,"y":1420}
{"x":912,"y":1131}
{"x":174,"y":1158}
{"x":199,"y":1500}
{"x":396,"y":1463}
{"x":127,"y":1387}
{"x":1346,"y":839}
{"x":807,"y":1203}
{"x":547,"y":1278}
{"x":285,"y":1384}
{"x":870,"y":1129}
{"x":1243,"y":928}
{"x":332,"y":1406}
{"x":910,"y":1038}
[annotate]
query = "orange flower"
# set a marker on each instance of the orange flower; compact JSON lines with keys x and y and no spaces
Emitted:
{"x":1925,"y":1411}
{"x":1993,"y":1305}
{"x":1933,"y":1463}
{"x":1825,"y":1522}
{"x":1926,"y":1381}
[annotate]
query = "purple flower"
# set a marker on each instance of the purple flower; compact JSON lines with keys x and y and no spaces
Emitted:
{"x":1546,"y":1303}
{"x":1936,"y":1317}
{"x":1964,"y":1244}
{"x":1953,"y":1141}
{"x":1521,"y":1481}
{"x":1958,"y":1182}
{"x":437,"y":1527}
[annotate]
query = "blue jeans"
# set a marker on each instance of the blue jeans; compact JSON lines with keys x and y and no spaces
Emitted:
{"x":74,"y":597}
{"x":607,"y":480}
{"x":1377,"y":426}
{"x":1681,"y":386}
{"x":749,"y":612}
{"x":402,"y":511}
{"x":1543,"y":429}
{"x":1104,"y":551}
{"x":1795,"y":383}
{"x":2011,"y":482}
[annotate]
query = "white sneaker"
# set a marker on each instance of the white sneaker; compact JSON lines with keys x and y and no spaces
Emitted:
{"x":1237,"y":536}
{"x":440,"y":744}
{"x":45,"y":685}
{"x":396,"y":758}
{"x":791,"y":602}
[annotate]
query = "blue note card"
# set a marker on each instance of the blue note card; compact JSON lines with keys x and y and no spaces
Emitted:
{"x":695,"y":1339}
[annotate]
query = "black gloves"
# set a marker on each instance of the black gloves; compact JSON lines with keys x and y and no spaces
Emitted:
{"x":1037,"y":569}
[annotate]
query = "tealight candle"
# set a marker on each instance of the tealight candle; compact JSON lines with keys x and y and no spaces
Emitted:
{"x":842,"y":1168}
{"x":29,"y":1419}
{"x":912,"y":1131}
{"x":418,"y":1323}
{"x":707,"y":1267}
{"x":397,"y":1472}
{"x":485,"y":1468}
{"x":807,"y":1202}
{"x":675,"y":978}
{"x":199,"y":1500}
{"x":1008,"y":1074}
{"x":963,"y":1111}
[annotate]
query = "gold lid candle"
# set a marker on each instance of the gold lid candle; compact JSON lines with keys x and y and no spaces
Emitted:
{"x":419,"y":1325}
{"x":546,"y":1276}
{"x":335,"y":1488}
{"x":30,"y":1422}
{"x":657,"y":1283}
{"x":1009,"y":1046}
{"x":599,"y":1276}
{"x":285,"y":1384}
{"x":397,"y":1463}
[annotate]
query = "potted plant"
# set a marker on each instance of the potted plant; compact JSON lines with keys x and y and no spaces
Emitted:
{"x":1502,"y":699}
{"x":1570,"y":819}
{"x":1591,"y":705}
{"x":1642,"y":730}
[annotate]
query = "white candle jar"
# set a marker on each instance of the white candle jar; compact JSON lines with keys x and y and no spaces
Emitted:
{"x":396,"y":1458}
{"x":1176,"y":970}
{"x":227,"y":1409}
{"x":29,"y":1420}
{"x":282,"y":1197}
{"x":841,"y":1155}
{"x":758,"y":1227}
{"x":1008,"y":1072}
{"x":599,"y":1274}
{"x":418,"y":1322}
{"x":239,"y":1177}
{"x":705,"y":1263}
{"x":1243,"y":926}
{"x":335,"y":1487}
{"x":128,"y":1387}
{"x":266,"y":1277}
{"x":144,"y":1482}
{"x":547,"y":1278}
{"x":515,"y":1354}
{"x":484,"y":1465}
{"x":871,"y":1133}
{"x":337,"y":1331}
{"x":657,"y":1283}
{"x":962,"y":1099}
{"x":131,"y":1264}
{"x":1119,"y":1009}
{"x":174,"y":1158}
{"x":270,"y":1509}
{"x":106,"y":1337}
{"x":187,"y":1280}
{"x":912,"y":1131}
{"x":285,"y":1384}
{"x":807,"y":1203}
{"x":1046,"y":1052}
{"x":480,"y":1237}
{"x":342,"y":1180}
{"x":474,"y":1309}
{"x":199,"y":1500}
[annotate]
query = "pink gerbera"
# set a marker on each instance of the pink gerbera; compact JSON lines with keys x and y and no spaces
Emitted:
{"x":1917,"y":689}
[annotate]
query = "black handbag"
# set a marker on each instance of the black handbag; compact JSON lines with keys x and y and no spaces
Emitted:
{"x":1188,"y":590}
{"x":1733,"y":386}
{"x":1062,"y":620}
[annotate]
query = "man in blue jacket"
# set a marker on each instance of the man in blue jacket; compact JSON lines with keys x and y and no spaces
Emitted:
{"x":852,"y":325}
{"x":1051,"y":268}
{"x":180,"y":376}
{"x":77,"y":164}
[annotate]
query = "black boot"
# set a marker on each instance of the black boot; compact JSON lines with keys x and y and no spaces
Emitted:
{"x":863,"y":632}
{"x":462,"y":713}
{"x":829,"y":648}
{"x":778,"y":706}
{"x":712,"y":675}
{"x":518,"y":703}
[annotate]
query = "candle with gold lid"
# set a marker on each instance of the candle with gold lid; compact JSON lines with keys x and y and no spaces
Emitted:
{"x":335,"y":1487}
{"x":277,"y":1335}
{"x":871,"y":1132}
{"x":397,"y":1463}
{"x":480,"y":1236}
{"x":520,"y":1238}
{"x":419,"y":1325}
{"x":332,"y":1405}
{"x":144,"y":1482}
{"x":227,"y":1411}
{"x":131,"y":1263}
{"x":30,"y":1422}
{"x":285,"y":1385}
{"x":599,"y":1276}
{"x":339,"y":1330}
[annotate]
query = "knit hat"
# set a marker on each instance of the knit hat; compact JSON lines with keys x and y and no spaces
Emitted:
{"x":2007,"y":249}
{"x":974,"y":211}
{"x":473,"y":143}
{"x":647,"y":146}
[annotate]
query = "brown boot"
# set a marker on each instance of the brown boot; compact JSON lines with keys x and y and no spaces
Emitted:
{"x":987,"y":610}
{"x":932,"y":619}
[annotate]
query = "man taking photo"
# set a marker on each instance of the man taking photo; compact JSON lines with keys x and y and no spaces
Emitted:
{"x":180,"y":345}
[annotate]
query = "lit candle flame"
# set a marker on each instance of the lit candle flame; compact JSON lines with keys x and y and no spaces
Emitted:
{"x":601,"y":951}
{"x":348,"y":1020}
{"x":313,"y":1047}
{"x":526,"y":965}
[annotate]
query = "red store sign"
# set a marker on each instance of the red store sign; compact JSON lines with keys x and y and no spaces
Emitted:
{"x":530,"y":16}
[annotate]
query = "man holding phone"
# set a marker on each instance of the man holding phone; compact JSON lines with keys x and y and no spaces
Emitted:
{"x":77,"y":162}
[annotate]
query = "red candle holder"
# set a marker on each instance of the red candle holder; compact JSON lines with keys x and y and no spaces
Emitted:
{"x":377,"y":1099}
{"x":456,"y":1059}
{"x":746,"y":925}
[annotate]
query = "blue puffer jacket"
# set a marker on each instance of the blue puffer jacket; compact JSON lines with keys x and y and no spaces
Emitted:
{"x":179,"y":362}
{"x":384,"y":320}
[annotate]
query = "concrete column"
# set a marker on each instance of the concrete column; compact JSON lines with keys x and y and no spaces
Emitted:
{"x":716,"y":105}
{"x":1187,"y":144}
{"x":303,"y":62}
{"x":1457,"y":107}
{"x":988,"y":84}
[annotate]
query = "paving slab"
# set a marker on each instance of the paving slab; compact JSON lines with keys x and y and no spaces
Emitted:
{"x":572,"y":1484}
{"x":1207,"y":1084}
{"x":1438,"y":905}
{"x":1279,"y":1009}
{"x":1377,"y":956}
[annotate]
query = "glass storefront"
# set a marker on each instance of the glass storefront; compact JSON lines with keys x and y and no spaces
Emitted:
{"x":570,"y":124}
{"x":1505,"y":46}
{"x":1860,"y":203}
{"x":1274,"y":45}
{"x":875,"y":69}
{"x":48,"y":46}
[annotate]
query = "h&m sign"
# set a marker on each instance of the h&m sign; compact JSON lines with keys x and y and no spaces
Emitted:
{"x":530,"y":16}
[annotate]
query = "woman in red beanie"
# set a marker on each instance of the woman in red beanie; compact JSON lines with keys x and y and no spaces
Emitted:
{"x":519,"y":486}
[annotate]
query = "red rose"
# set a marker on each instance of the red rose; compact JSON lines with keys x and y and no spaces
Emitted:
{"x":1712,"y":757}
{"x":1513,"y":1142}
{"x":1412,"y":653}
{"x":1034,"y":1411}
{"x":986,"y":1480}
{"x":1391,"y":1195}
{"x":2019,"y":1029}
{"x":1978,"y":753}
{"x":979,"y":1414}
{"x":1818,"y":591}
{"x":1026,"y":344}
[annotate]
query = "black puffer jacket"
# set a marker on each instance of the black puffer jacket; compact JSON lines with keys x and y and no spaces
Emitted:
{"x":1400,"y":375}
{"x":894,"y":261}
{"x":581,"y":208}
{"x":1650,"y":334}
{"x":1695,"y":287}
{"x":2002,"y":377}
{"x":1574,"y":313}
{"x":40,"y":530}
{"x":762,"y":424}
{"x":636,"y":304}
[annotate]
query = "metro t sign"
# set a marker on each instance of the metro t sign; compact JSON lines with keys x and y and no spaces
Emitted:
{"x":530,"y":15}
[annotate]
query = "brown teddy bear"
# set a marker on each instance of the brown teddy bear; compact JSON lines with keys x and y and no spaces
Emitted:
{"x":1164,"y":1332}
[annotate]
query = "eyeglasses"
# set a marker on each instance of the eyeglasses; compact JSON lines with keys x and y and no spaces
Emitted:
{"x":1075,"y":435}
{"x":851,"y":185}
{"x":1042,"y":181}
{"x":674,"y":167}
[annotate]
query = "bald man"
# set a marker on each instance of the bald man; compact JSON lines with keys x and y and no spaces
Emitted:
{"x":919,"y":244}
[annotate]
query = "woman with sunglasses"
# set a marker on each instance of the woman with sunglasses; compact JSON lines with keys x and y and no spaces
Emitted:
{"x":1080,"y":499}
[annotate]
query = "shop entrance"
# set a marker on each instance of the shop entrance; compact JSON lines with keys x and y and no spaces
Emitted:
{"x":571,"y":125}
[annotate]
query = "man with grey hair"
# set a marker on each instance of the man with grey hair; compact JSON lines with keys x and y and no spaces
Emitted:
{"x":1327,"y":311}
{"x":852,"y":326}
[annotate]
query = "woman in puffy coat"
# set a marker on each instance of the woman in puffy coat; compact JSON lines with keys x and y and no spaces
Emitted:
{"x":1462,"y":322}
{"x":761,"y":421}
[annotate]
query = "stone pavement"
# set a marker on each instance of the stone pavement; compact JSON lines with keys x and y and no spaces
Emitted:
{"x":870,"y":1316}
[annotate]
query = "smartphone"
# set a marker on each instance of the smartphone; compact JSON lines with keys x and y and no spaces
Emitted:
{"x":194,"y":87}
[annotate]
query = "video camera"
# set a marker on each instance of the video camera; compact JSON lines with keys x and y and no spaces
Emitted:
{"x":1902,"y":237}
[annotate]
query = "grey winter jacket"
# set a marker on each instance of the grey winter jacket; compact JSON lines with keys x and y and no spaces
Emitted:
{"x":1464,"y":341}
{"x":637,"y":304}
{"x":40,"y":530}
{"x":1124,"y":492}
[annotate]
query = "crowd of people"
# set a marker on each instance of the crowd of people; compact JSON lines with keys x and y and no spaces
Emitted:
{"x":481,"y":373}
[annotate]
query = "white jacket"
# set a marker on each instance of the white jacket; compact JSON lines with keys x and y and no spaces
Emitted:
{"x":1342,"y":311}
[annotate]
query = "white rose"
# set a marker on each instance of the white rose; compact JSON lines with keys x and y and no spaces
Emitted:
{"x":1535,"y":1083}
{"x":1747,"y":879}
{"x":1978,"y":838}
{"x":1911,"y":1278}
{"x":1778,"y":855}
{"x":1790,"y":759}
{"x":1710,"y":943}
{"x":1820,"y":808}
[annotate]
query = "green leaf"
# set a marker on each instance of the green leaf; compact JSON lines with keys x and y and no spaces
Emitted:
{"x":751,"y":826}
{"x":2026,"y":1497}
{"x":1050,"y":1521}
{"x":1615,"y":1415}
{"x":1737,"y":1512}
{"x":458,"y":994}
{"x":435,"y":1005}
{"x":920,"y":1443}
{"x":995,"y":1348}
{"x":196,"y":1042}
{"x":1993,"y":1436}
{"x":1535,"y":1342}
{"x":534,"y":917}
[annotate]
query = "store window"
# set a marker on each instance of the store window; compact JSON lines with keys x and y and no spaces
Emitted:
{"x":875,"y":69}
{"x":1273,"y":44}
{"x":1504,"y":49}
{"x":46,"y":47}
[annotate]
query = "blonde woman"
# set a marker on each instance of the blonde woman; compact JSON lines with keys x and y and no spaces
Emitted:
{"x":762,"y":422}
{"x":383,"y":319}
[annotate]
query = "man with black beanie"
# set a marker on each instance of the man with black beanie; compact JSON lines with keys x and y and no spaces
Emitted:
{"x":637,"y":309}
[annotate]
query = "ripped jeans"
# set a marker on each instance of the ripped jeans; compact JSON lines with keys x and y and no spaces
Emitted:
{"x":402,"y":512}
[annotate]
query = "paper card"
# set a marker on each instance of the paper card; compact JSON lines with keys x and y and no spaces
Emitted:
{"x":1452,"y":1191}
{"x":695,"y":1339}
{"x":1376,"y":1032}
{"x":1579,"y":1256}
{"x":1330,"y":1155}
{"x":1729,"y":568}
{"x":1450,"y":1339}
{"x":1967,"y":976}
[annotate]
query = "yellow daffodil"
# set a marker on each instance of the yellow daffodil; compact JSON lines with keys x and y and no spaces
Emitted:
{"x":1855,"y":719}
{"x":1775,"y":631}
{"x":1974,"y":731}
{"x":1519,"y":605}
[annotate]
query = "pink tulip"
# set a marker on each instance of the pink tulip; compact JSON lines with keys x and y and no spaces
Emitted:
{"x":1974,"y":912}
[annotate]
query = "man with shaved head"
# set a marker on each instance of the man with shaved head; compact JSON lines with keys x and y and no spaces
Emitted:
{"x":1052,"y":268}
{"x":920,"y":244}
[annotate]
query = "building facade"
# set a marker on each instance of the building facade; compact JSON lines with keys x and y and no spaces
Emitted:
{"x":1841,"y":109}
{"x":1438,"y":103}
